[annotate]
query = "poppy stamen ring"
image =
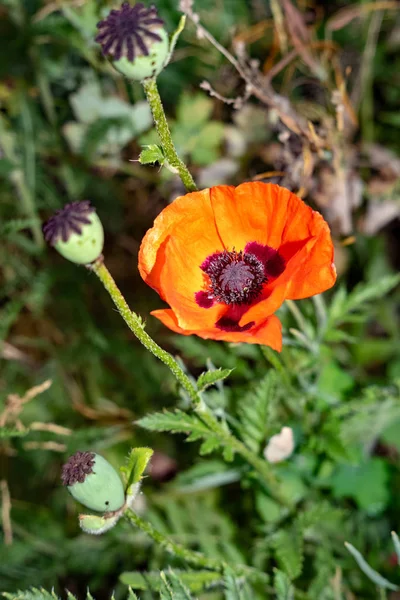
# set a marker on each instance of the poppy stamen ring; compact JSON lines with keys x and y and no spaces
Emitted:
{"x":236,"y":278}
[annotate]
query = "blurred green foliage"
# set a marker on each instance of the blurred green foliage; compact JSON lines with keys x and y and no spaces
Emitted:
{"x":70,"y":129}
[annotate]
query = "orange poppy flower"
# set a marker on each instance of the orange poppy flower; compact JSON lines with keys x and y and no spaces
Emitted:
{"x":226,"y":258}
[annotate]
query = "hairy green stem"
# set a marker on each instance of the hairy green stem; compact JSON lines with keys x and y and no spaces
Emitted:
{"x":136,"y":326}
{"x":190,"y":556}
{"x":260,"y":465}
{"x":160,"y":121}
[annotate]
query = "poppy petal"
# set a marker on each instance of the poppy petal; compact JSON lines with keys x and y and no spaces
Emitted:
{"x":268,"y":333}
{"x":190,"y":220}
{"x":181,"y":278}
{"x":318,"y":272}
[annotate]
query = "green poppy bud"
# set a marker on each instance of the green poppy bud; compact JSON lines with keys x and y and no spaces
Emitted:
{"x":135,"y":41}
{"x":76,"y":232}
{"x":93,"y":482}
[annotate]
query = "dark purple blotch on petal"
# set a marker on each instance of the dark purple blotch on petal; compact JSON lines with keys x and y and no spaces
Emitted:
{"x":273,"y":262}
{"x":204,"y":299}
{"x":228,"y":324}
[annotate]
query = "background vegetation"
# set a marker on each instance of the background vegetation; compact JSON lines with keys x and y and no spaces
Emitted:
{"x":71,"y":128}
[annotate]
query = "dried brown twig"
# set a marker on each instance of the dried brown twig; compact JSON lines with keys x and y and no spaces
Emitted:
{"x":257,"y":84}
{"x":15,"y":404}
{"x":6,"y":512}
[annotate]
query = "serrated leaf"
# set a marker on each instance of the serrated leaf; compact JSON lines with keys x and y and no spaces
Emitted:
{"x":31,"y":594}
{"x":288,"y":547}
{"x":176,"y":586}
{"x":344,"y":305}
{"x":175,"y":422}
{"x":209,"y":445}
{"x":228,"y":453}
{"x":253,"y":411}
{"x":283,"y":586}
{"x":231,"y":587}
{"x":151,"y":154}
{"x":137,"y":462}
{"x":373,"y":575}
{"x":212,"y":377}
{"x":196,"y":581}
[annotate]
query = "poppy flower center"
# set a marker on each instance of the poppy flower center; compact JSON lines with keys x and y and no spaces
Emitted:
{"x":236,"y":278}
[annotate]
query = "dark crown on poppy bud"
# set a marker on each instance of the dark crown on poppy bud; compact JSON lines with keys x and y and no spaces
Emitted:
{"x":77,"y":467}
{"x":76,"y":232}
{"x":67,"y":220}
{"x":129,"y":31}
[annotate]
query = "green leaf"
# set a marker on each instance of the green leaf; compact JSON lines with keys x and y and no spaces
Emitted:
{"x":253,"y":412}
{"x":194,"y":110}
{"x":10,"y":432}
{"x":196,"y":581}
{"x":231,"y":586}
{"x":172,"y":587}
{"x":9,"y":314}
{"x":31,"y":594}
{"x":366,"y":483}
{"x":6,"y":167}
{"x":209,"y":445}
{"x":101,"y":131}
{"x":396,"y":543}
{"x":333,"y":381}
{"x":175,"y":36}
{"x":211,"y":377}
{"x":150,"y":154}
{"x":344,"y":305}
{"x":330,"y":441}
{"x":175,"y":422}
{"x":369,"y":571}
{"x":288,"y":546}
{"x":268,"y":509}
{"x":41,"y":594}
{"x":228,"y":453}
{"x":283,"y":586}
{"x":137,"y":462}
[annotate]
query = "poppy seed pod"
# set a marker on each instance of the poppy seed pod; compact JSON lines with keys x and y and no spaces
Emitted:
{"x":93,"y":482}
{"x":135,"y":41}
{"x":76,"y":232}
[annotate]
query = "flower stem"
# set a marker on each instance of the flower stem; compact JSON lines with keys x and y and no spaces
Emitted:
{"x":135,"y":324}
{"x":160,"y":121}
{"x":259,"y":464}
{"x":190,"y":556}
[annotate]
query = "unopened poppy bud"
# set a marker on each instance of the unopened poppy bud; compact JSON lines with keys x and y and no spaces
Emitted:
{"x":93,"y":482}
{"x":76,"y":232}
{"x":135,"y":41}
